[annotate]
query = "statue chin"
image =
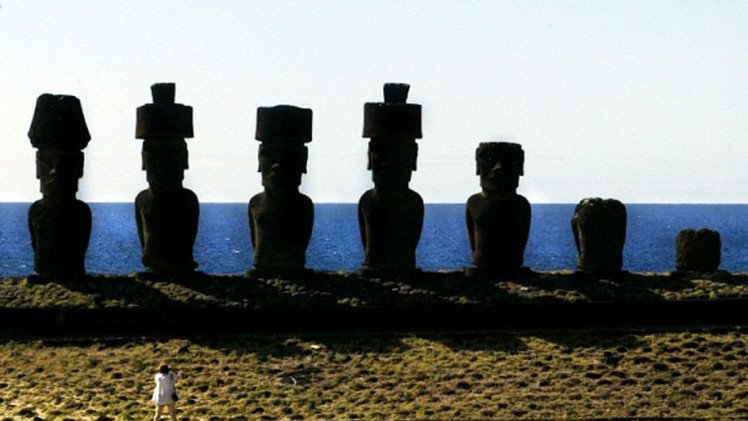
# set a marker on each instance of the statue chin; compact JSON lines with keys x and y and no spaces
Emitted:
{"x":281,"y":184}
{"x":391,"y":181}
{"x":500,"y":184}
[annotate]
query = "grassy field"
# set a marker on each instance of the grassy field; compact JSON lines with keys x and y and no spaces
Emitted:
{"x":582,"y":374}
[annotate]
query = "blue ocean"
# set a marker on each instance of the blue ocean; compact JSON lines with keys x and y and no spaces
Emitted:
{"x":223,"y":245}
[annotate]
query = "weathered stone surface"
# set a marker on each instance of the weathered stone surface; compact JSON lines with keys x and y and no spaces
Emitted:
{"x":599,"y":228}
{"x":393,"y":118}
{"x":163,"y":118}
{"x":284,"y":122}
{"x":166,"y":213}
{"x":697,"y":251}
{"x":281,"y":218}
{"x":58,"y":123}
{"x":59,"y":224}
{"x":498,"y":219}
{"x":391,"y":214}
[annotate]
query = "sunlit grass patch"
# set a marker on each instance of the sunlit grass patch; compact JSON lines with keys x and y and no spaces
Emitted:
{"x":468,"y":375}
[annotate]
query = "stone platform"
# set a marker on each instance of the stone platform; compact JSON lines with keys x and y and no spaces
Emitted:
{"x":324,"y":302}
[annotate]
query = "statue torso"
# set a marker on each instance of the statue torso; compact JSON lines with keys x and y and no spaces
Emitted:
{"x":281,"y":227}
{"x":391,"y":227}
{"x":500,"y":227}
{"x":167,"y":225}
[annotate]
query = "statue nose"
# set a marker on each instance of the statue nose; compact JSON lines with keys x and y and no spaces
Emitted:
{"x":497,"y":167}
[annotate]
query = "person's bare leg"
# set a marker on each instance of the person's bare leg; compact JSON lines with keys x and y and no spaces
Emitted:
{"x":159,"y":411}
{"x":173,"y":411}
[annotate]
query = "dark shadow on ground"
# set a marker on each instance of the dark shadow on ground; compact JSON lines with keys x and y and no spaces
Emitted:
{"x":354,"y":342}
{"x":478,"y":341}
{"x":128,"y":291}
{"x":618,"y":339}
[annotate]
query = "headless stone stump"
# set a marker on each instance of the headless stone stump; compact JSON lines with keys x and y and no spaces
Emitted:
{"x":281,"y":218}
{"x":390,"y":216}
{"x":599,"y":233}
{"x":166,"y":213}
{"x":697,"y":251}
{"x":498,"y":219}
{"x":59,"y":224}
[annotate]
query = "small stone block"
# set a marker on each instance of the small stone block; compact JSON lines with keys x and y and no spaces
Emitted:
{"x":697,"y":250}
{"x":163,"y":93}
{"x":396,"y":93}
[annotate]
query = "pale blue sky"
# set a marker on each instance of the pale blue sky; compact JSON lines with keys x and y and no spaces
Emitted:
{"x":644,"y":101}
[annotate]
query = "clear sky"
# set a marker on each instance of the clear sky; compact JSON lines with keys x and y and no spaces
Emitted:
{"x":643,"y":101}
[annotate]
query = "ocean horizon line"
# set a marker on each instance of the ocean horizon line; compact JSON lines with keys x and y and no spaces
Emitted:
{"x":426,"y":203}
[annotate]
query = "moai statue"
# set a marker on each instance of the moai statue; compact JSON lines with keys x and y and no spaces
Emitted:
{"x":697,"y":251}
{"x":390,"y":216}
{"x":599,"y":232}
{"x":60,"y":225}
{"x":281,"y":218}
{"x":166,"y":213}
{"x":498,"y":219}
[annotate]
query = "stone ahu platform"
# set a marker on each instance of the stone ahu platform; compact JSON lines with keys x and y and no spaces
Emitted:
{"x":204,"y":304}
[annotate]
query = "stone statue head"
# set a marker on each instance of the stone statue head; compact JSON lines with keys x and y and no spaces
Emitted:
{"x":499,"y":164}
{"x":58,"y":171}
{"x":392,"y":127}
{"x":283,"y":130}
{"x":59,"y":131}
{"x":165,"y":162}
{"x":281,"y":164}
{"x":392,"y":162}
{"x":163,"y":125}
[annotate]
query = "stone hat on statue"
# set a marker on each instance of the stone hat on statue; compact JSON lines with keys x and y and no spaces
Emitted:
{"x":393,"y":117}
{"x":163,"y":117}
{"x":284,"y":123}
{"x":58,"y":123}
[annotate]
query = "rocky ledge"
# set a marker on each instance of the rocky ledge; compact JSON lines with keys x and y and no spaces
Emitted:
{"x":325,"y":301}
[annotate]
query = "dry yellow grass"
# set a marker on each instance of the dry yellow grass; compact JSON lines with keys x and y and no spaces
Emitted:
{"x":581,"y":374}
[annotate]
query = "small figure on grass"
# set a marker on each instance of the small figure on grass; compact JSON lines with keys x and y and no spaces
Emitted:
{"x":165,"y":393}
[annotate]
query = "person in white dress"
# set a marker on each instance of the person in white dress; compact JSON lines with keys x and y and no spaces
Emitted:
{"x":165,"y":394}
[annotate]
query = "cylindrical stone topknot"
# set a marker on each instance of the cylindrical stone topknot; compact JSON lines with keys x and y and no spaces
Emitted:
{"x":396,"y":93}
{"x":163,"y":118}
{"x":393,"y":118}
{"x":58,"y":122}
{"x":510,"y":153}
{"x":284,"y":123}
{"x":163,"y":93}
{"x":698,"y":251}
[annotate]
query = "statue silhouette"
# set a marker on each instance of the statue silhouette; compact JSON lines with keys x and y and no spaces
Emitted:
{"x":390,"y":216}
{"x":59,"y":224}
{"x":498,"y":219}
{"x":166,"y":213}
{"x":281,"y":218}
